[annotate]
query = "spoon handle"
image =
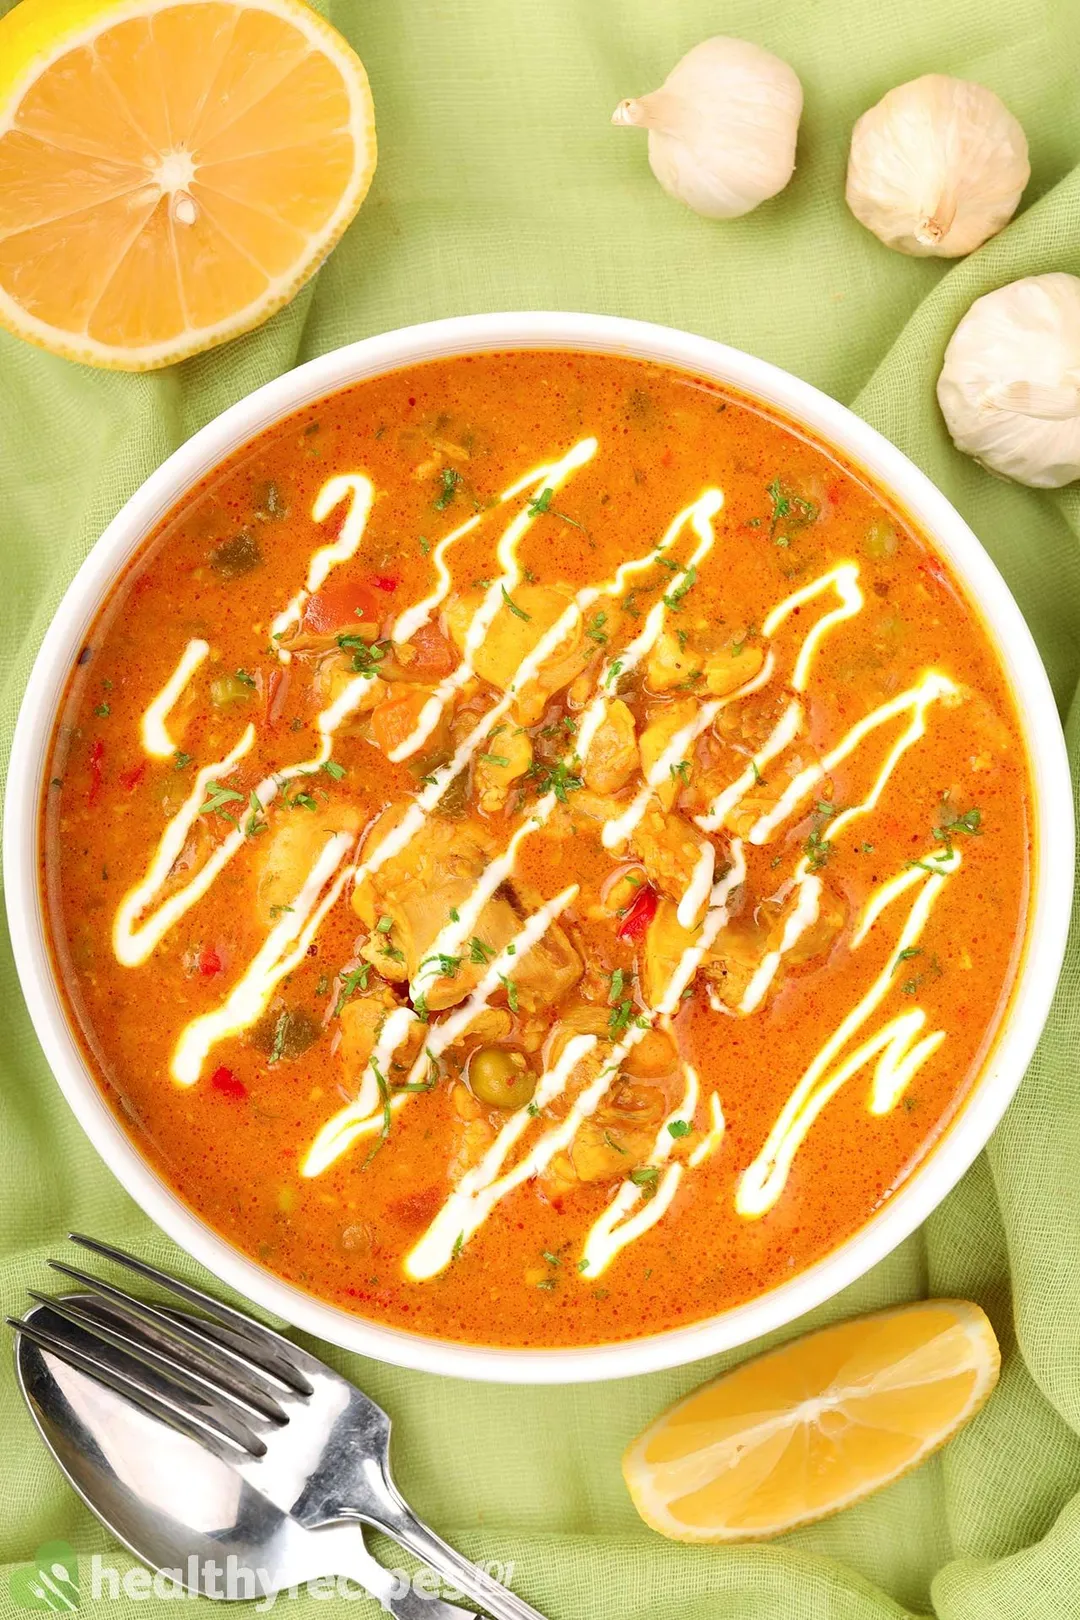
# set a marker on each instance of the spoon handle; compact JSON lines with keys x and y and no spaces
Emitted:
{"x":467,"y":1577}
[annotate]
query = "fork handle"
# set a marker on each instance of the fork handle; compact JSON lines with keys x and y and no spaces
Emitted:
{"x":349,"y":1557}
{"x":467,"y":1577}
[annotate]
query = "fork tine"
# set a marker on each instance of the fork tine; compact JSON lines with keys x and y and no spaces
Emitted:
{"x":195,"y":1371}
{"x":128,"y":1388}
{"x":185,"y":1338}
{"x":274,"y":1351}
{"x":138,"y":1362}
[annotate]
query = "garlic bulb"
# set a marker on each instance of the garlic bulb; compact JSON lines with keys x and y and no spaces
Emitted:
{"x":722,"y":127}
{"x":936,"y":167}
{"x":1010,"y":385}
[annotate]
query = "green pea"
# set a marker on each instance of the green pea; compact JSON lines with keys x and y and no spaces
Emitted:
{"x":500,"y":1077}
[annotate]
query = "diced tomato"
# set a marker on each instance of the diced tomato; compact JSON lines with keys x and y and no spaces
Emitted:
{"x":129,"y":780}
{"x":225,"y":1081}
{"x":385,"y":582}
{"x":640,"y":915}
{"x":210,"y":964}
{"x":340,"y":607}
{"x":97,"y":774}
{"x":392,"y":722}
{"x":434,"y":654}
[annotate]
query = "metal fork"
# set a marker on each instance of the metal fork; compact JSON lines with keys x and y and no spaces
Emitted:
{"x":297,"y":1431}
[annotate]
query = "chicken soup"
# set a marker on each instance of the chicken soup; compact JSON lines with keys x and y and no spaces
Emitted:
{"x":537,"y":849}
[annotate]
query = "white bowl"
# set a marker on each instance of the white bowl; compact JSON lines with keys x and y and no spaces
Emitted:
{"x":929,"y":510}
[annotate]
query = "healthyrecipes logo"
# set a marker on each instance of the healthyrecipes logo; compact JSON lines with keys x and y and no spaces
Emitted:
{"x":52,"y":1582}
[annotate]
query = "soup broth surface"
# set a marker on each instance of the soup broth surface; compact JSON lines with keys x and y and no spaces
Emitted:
{"x":537,"y":849}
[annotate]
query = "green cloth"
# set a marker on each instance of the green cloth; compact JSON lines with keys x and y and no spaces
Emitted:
{"x":501,"y":185}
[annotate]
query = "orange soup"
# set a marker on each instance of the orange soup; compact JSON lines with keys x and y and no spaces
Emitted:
{"x":537,"y":849}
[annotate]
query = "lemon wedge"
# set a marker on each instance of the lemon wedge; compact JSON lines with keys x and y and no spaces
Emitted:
{"x":803,"y":1431}
{"x":170,"y":174}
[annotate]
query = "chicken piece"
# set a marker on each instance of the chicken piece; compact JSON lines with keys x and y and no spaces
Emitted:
{"x":619,"y":1136}
{"x":698,"y":660}
{"x":763,"y":798}
{"x":735,"y":957}
{"x":473,"y":1133}
{"x":666,"y":942}
{"x":669,"y":848}
{"x":746,"y":725}
{"x":497,"y":770}
{"x":490,"y":1024}
{"x":435,"y":873}
{"x":613,"y":755}
{"x":622,"y":889}
{"x":671,"y":662}
{"x":283,"y":862}
{"x":665,"y":721}
{"x":334,"y":674}
{"x":362,"y":1020}
{"x":396,"y":718}
{"x":514,"y":632}
{"x":731,"y":667}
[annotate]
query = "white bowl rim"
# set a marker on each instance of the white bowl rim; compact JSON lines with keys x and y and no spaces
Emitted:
{"x":838,"y":428}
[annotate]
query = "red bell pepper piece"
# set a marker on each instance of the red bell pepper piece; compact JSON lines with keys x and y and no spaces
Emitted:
{"x":640,"y":915}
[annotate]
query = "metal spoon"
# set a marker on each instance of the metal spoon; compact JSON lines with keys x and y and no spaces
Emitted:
{"x":180,"y":1508}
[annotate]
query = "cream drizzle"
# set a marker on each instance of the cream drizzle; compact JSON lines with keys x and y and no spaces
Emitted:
{"x":898,"y":1050}
{"x":133,"y":939}
{"x":551,"y":477}
{"x":930,"y":689}
{"x":483,"y":1187}
{"x":152,"y":729}
{"x":764,"y":1180}
{"x":280,"y":953}
{"x":713,"y":1136}
{"x":359,"y":491}
{"x":618,"y":1225}
{"x":363,"y":1116}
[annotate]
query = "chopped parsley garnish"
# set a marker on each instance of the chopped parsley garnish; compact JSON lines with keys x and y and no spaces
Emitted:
{"x":519,"y":613}
{"x":818,"y":850}
{"x":332,"y":768}
{"x":425,"y":545}
{"x":446,"y":966}
{"x":686,"y":583}
{"x":681,"y":772}
{"x":384,"y":925}
{"x":622,"y":1016}
{"x":533,"y":1111}
{"x":459,"y":1244}
{"x":678,"y":1127}
{"x":103,"y":711}
{"x":244,"y":678}
{"x":278,"y":911}
{"x":552,"y":1259}
{"x":790,"y":511}
{"x":511,"y":992}
{"x":256,"y":822}
{"x":969,"y":822}
{"x":367,"y":655}
{"x":645,"y":1177}
{"x":739,"y":642}
{"x":759,"y":780}
{"x":217,"y":796}
{"x":181,"y":761}
{"x":391,"y":952}
{"x":449,"y":480}
{"x":420,"y":1006}
{"x":494,"y":759}
{"x":908,"y":953}
{"x":281,"y":1029}
{"x":479,"y":952}
{"x":351,"y":983}
{"x":558,"y":779}
{"x":540,"y":503}
{"x":454,"y":914}
{"x":614,"y":672}
{"x":616,"y":987}
{"x":610,"y":1142}
{"x":595,"y":628}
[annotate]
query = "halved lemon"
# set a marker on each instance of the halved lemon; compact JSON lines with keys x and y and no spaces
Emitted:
{"x":170,"y":174}
{"x":803,"y":1431}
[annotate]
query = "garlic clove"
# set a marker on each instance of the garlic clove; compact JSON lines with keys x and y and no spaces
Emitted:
{"x":937,"y":167}
{"x":722,"y":128}
{"x":1009,"y":387}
